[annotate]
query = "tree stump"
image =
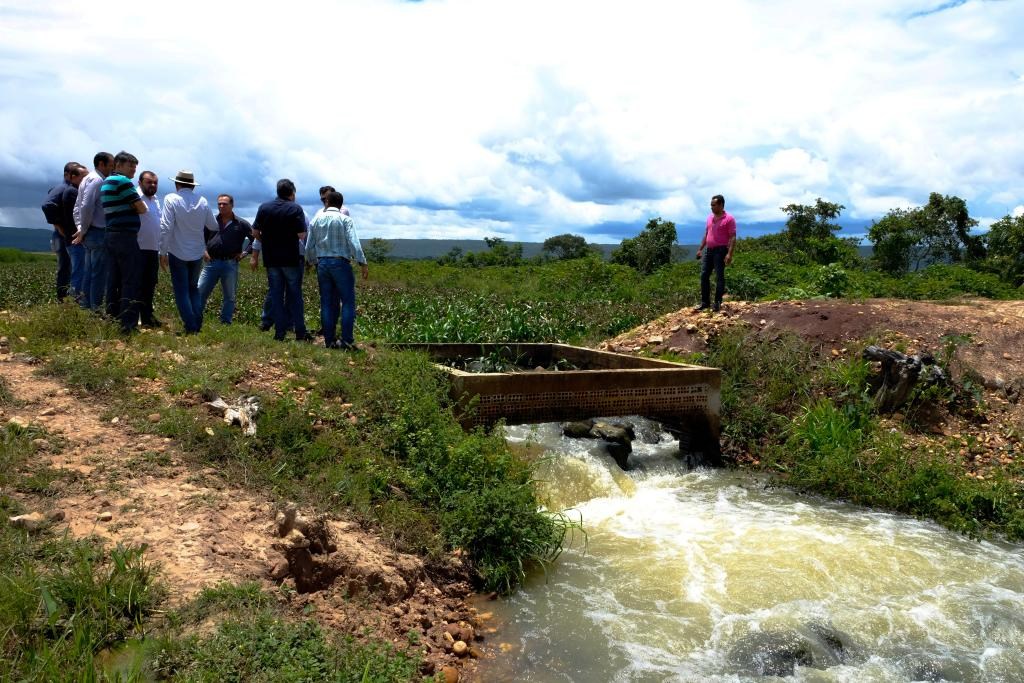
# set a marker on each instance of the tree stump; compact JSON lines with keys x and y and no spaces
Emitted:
{"x":900,"y":374}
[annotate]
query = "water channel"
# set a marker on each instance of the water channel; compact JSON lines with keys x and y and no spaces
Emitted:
{"x":715,"y":576}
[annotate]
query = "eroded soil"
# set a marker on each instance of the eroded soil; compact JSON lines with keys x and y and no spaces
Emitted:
{"x":200,"y":529}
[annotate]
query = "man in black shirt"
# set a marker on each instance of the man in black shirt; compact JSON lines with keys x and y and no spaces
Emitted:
{"x":224,"y":249}
{"x":59,"y":212}
{"x":279,"y":226}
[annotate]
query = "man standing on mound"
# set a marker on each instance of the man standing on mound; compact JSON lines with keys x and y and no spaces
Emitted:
{"x":279,"y":226}
{"x":332,"y":246}
{"x":717,"y":245}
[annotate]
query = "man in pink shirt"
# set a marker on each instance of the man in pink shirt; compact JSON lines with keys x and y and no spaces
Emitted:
{"x":716,"y":247}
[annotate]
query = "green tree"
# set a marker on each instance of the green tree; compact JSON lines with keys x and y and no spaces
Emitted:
{"x":809,"y":232}
{"x":1006,"y":249}
{"x":499,"y":253}
{"x":377,"y":250}
{"x":649,"y":250}
{"x":938,"y":232}
{"x":565,"y":247}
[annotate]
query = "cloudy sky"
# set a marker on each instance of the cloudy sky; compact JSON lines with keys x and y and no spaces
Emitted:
{"x":471,"y":118}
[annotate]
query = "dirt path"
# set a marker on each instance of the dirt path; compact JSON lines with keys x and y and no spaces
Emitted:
{"x":200,"y":529}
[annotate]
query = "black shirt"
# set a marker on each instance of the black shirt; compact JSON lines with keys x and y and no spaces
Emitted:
{"x":227,"y":242}
{"x":280,"y":222}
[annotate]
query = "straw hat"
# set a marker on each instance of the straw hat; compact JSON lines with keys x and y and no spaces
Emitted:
{"x":185,"y":178}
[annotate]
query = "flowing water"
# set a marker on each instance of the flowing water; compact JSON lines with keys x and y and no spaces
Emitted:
{"x":714,"y":576}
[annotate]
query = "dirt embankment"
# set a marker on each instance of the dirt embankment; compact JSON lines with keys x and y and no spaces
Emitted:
{"x":200,"y":529}
{"x":988,"y":337}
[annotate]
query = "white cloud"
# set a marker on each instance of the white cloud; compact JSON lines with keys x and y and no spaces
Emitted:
{"x":1018,"y":210}
{"x":529,"y":119}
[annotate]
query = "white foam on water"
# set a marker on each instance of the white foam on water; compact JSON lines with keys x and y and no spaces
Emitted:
{"x":681,"y":566}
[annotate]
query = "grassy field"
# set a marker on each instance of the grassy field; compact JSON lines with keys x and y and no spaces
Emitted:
{"x":406,"y":468}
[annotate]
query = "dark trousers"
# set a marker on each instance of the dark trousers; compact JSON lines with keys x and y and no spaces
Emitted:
{"x":714,"y":257}
{"x":124,"y":270}
{"x":63,"y":266}
{"x":147,"y":284}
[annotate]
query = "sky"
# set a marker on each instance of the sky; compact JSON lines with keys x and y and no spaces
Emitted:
{"x":460,"y":119}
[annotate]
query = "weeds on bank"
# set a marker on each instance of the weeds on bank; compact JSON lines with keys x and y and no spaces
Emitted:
{"x":62,"y":601}
{"x":254,"y":641}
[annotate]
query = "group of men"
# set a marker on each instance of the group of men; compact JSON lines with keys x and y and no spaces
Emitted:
{"x":112,"y":238}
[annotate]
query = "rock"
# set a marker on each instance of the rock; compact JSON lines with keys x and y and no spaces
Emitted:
{"x":294,"y":539}
{"x":655,"y":339}
{"x":460,"y":648}
{"x":4,"y":341}
{"x":41,"y":444}
{"x":691,"y":329}
{"x":619,"y":453}
{"x":33,"y":521}
{"x":450,"y":674}
{"x":104,"y":516}
{"x":18,"y":422}
{"x":54,"y":516}
{"x":578,"y":430}
{"x":47,"y":412}
{"x":153,"y":417}
{"x":278,"y":571}
{"x":614,"y":432}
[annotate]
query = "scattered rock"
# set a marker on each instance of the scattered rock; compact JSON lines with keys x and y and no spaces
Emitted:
{"x":18,"y":422}
{"x":154,"y":417}
{"x":655,"y":339}
{"x":54,"y":516}
{"x":47,"y":412}
{"x":104,"y":516}
{"x":278,"y":571}
{"x":33,"y":521}
{"x":460,"y":648}
{"x":450,"y":674}
{"x":41,"y":444}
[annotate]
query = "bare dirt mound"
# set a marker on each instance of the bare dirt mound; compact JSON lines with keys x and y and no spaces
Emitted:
{"x":991,"y":332}
{"x":199,"y":529}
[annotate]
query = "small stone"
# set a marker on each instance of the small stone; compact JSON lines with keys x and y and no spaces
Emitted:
{"x":1007,"y":356}
{"x":18,"y":422}
{"x":450,"y":674}
{"x":279,"y":571}
{"x":47,"y":412}
{"x":655,"y":339}
{"x":835,"y":353}
{"x":4,"y":341}
{"x":691,"y":328}
{"x":460,"y":648}
{"x":114,"y":420}
{"x":209,"y":431}
{"x":762,"y":322}
{"x":41,"y":444}
{"x":353,"y":419}
{"x":56,"y":515}
{"x":33,"y":521}
{"x":104,"y":516}
{"x":153,"y":417}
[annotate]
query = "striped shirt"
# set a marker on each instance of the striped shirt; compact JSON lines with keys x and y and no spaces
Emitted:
{"x":332,"y":234}
{"x":119,"y":194}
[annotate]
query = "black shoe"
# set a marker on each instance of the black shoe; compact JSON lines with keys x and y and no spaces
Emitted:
{"x":264,"y":327}
{"x":702,"y":307}
{"x":152,"y":323}
{"x":304,"y":338}
{"x":716,"y":308}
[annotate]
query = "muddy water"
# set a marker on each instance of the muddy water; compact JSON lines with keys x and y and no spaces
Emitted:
{"x":712,"y":576}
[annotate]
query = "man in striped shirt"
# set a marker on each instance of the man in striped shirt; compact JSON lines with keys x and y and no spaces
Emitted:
{"x":331,"y":245}
{"x":122,"y":207}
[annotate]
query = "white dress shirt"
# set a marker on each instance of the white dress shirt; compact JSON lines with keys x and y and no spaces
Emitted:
{"x":182,"y":220}
{"x":89,"y":204}
{"x":149,"y":231}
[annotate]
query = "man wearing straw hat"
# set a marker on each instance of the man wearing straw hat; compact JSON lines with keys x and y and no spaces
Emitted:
{"x":182,"y":245}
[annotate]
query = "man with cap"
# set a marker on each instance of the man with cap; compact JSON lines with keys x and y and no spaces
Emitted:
{"x":182,"y":245}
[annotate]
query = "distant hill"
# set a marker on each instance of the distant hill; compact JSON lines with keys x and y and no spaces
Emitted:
{"x":34,"y":239}
{"x":26,"y":239}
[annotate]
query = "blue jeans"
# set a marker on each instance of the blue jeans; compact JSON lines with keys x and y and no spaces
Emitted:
{"x":94,"y":284}
{"x":185,"y":284}
{"x":285,"y":284}
{"x":225,"y":271}
{"x":125,"y":273}
{"x":77,"y":254}
{"x":714,"y":258}
{"x":337,"y":295}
